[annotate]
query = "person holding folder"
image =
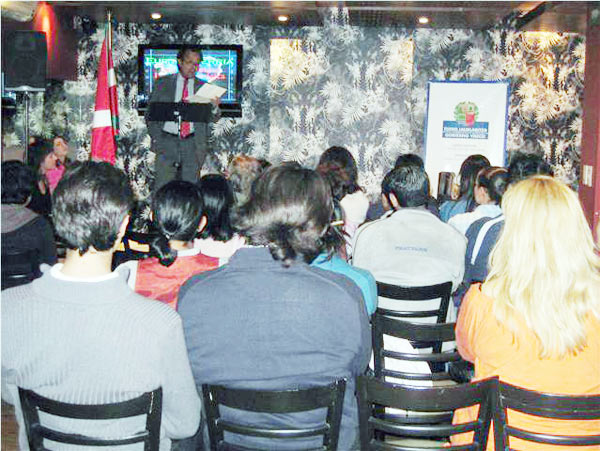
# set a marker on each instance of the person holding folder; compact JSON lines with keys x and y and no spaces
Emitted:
{"x":182,"y":148}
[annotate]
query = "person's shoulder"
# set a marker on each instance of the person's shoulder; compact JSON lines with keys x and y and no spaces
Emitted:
{"x":198,"y":283}
{"x":327,"y":281}
{"x":153,"y":314}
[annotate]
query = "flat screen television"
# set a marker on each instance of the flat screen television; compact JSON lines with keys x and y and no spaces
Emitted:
{"x":221,"y":65}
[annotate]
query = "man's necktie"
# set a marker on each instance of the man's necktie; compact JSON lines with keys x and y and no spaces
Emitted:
{"x":185,"y":126}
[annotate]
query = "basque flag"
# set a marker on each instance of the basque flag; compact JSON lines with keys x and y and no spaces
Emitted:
{"x":106,"y":113}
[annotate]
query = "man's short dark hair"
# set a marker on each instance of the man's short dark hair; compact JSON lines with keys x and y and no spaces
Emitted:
{"x":89,"y":205}
{"x":524,"y":165}
{"x":17,"y":182}
{"x":409,"y":184}
{"x":408,"y":159}
{"x":188,"y":48}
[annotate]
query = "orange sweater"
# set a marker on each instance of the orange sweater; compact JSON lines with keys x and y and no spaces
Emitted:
{"x":482,"y":340}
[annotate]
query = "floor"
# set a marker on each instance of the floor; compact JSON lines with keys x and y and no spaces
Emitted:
{"x":9,"y":428}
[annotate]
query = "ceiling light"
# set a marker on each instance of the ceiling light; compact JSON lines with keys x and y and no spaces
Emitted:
{"x":423,"y":20}
{"x":283,"y":18}
{"x":156,"y":16}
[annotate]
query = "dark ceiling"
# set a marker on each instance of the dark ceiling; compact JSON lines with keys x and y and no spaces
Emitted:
{"x":568,"y":16}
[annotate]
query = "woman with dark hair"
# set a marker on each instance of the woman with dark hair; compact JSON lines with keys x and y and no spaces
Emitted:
{"x":178,"y":216}
{"x":338,"y":166}
{"x":43,"y":160}
{"x":466,"y":200}
{"x":333,"y":260}
{"x":23,"y":229}
{"x":267,"y":320}
{"x":218,"y":239}
{"x":490,"y":185}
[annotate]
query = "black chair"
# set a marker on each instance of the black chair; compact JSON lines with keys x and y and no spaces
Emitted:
{"x":374,"y":395}
{"x":421,"y":336}
{"x":423,"y":294}
{"x":149,"y":404}
{"x":19,"y":266}
{"x":561,"y":407}
{"x":274,"y":402}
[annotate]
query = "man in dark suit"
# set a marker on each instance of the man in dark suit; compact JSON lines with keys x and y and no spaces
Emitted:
{"x":192,"y":142}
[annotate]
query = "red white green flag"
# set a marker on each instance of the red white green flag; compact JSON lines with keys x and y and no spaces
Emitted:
{"x":105,"y":125}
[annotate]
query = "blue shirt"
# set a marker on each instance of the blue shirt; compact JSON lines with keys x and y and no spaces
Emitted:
{"x":361,"y":277}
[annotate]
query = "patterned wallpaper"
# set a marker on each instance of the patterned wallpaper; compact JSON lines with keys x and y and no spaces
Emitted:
{"x":306,"y":89}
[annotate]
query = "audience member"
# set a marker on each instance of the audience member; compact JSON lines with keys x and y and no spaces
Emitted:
{"x":178,"y":217}
{"x":489,"y":188}
{"x":22,"y":229}
{"x":80,"y":335}
{"x":338,"y":165}
{"x":467,"y":175}
{"x":333,"y":261}
{"x":61,"y":150}
{"x":218,"y":239}
{"x":483,"y":233}
{"x":535,"y":321}
{"x":43,"y":160}
{"x":376,"y":209}
{"x":409,"y":246}
{"x":241,"y":173}
{"x":268,"y":320}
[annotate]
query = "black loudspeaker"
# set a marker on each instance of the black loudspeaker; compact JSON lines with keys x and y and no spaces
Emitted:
{"x":24,"y":59}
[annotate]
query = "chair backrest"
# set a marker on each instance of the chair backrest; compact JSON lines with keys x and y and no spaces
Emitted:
{"x":420,"y":336}
{"x":545,"y":405}
{"x":287,"y":401}
{"x":149,"y":404}
{"x":406,"y":295}
{"x":374,"y":395}
{"x":19,"y":266}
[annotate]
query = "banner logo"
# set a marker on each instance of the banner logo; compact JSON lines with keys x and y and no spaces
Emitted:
{"x":465,"y":123}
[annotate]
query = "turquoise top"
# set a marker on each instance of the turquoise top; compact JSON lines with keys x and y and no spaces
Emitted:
{"x":361,"y":277}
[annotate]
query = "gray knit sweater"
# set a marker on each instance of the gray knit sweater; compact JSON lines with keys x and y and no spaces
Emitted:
{"x":96,"y":343}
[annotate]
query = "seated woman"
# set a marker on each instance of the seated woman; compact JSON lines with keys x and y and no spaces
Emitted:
{"x":332,"y":260}
{"x":535,"y":321}
{"x":466,"y":201}
{"x":218,"y":239}
{"x":177,"y":212}
{"x":268,"y":320}
{"x":43,"y":161}
{"x":338,"y":165}
{"x":490,"y":185}
{"x":23,"y":229}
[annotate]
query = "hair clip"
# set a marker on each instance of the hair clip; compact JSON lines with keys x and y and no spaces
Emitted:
{"x":337,"y":223}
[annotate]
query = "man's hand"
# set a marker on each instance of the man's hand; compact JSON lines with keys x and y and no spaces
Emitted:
{"x":216,"y":101}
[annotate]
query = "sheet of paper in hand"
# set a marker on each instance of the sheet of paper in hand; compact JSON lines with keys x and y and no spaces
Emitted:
{"x":206,"y":93}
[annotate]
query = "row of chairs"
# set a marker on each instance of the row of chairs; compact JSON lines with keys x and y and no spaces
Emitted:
{"x":493,"y":397}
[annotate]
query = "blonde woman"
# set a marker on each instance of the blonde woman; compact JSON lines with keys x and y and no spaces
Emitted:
{"x":535,"y":321}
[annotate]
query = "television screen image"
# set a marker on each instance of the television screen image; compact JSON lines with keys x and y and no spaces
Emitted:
{"x":221,"y":65}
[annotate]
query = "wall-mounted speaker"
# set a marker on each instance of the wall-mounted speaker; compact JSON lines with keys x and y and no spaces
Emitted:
{"x":24,"y":56}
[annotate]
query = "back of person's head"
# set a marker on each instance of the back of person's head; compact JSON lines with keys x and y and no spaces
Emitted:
{"x":341,"y":158}
{"x":409,"y":184}
{"x":177,"y":211}
{"x":89,"y":205}
{"x":17,"y":182}
{"x":339,"y":179}
{"x":242,"y":172}
{"x":217,"y":201}
{"x":524,"y":165}
{"x":288,"y":211}
{"x":38,"y":154}
{"x":467,"y":174}
{"x":494,"y":180}
{"x":409,"y":159}
{"x":543,"y":266}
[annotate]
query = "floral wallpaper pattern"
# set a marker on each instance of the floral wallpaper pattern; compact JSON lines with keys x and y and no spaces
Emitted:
{"x":308,"y":88}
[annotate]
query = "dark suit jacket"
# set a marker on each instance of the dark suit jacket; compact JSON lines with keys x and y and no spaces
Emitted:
{"x":164,"y":91}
